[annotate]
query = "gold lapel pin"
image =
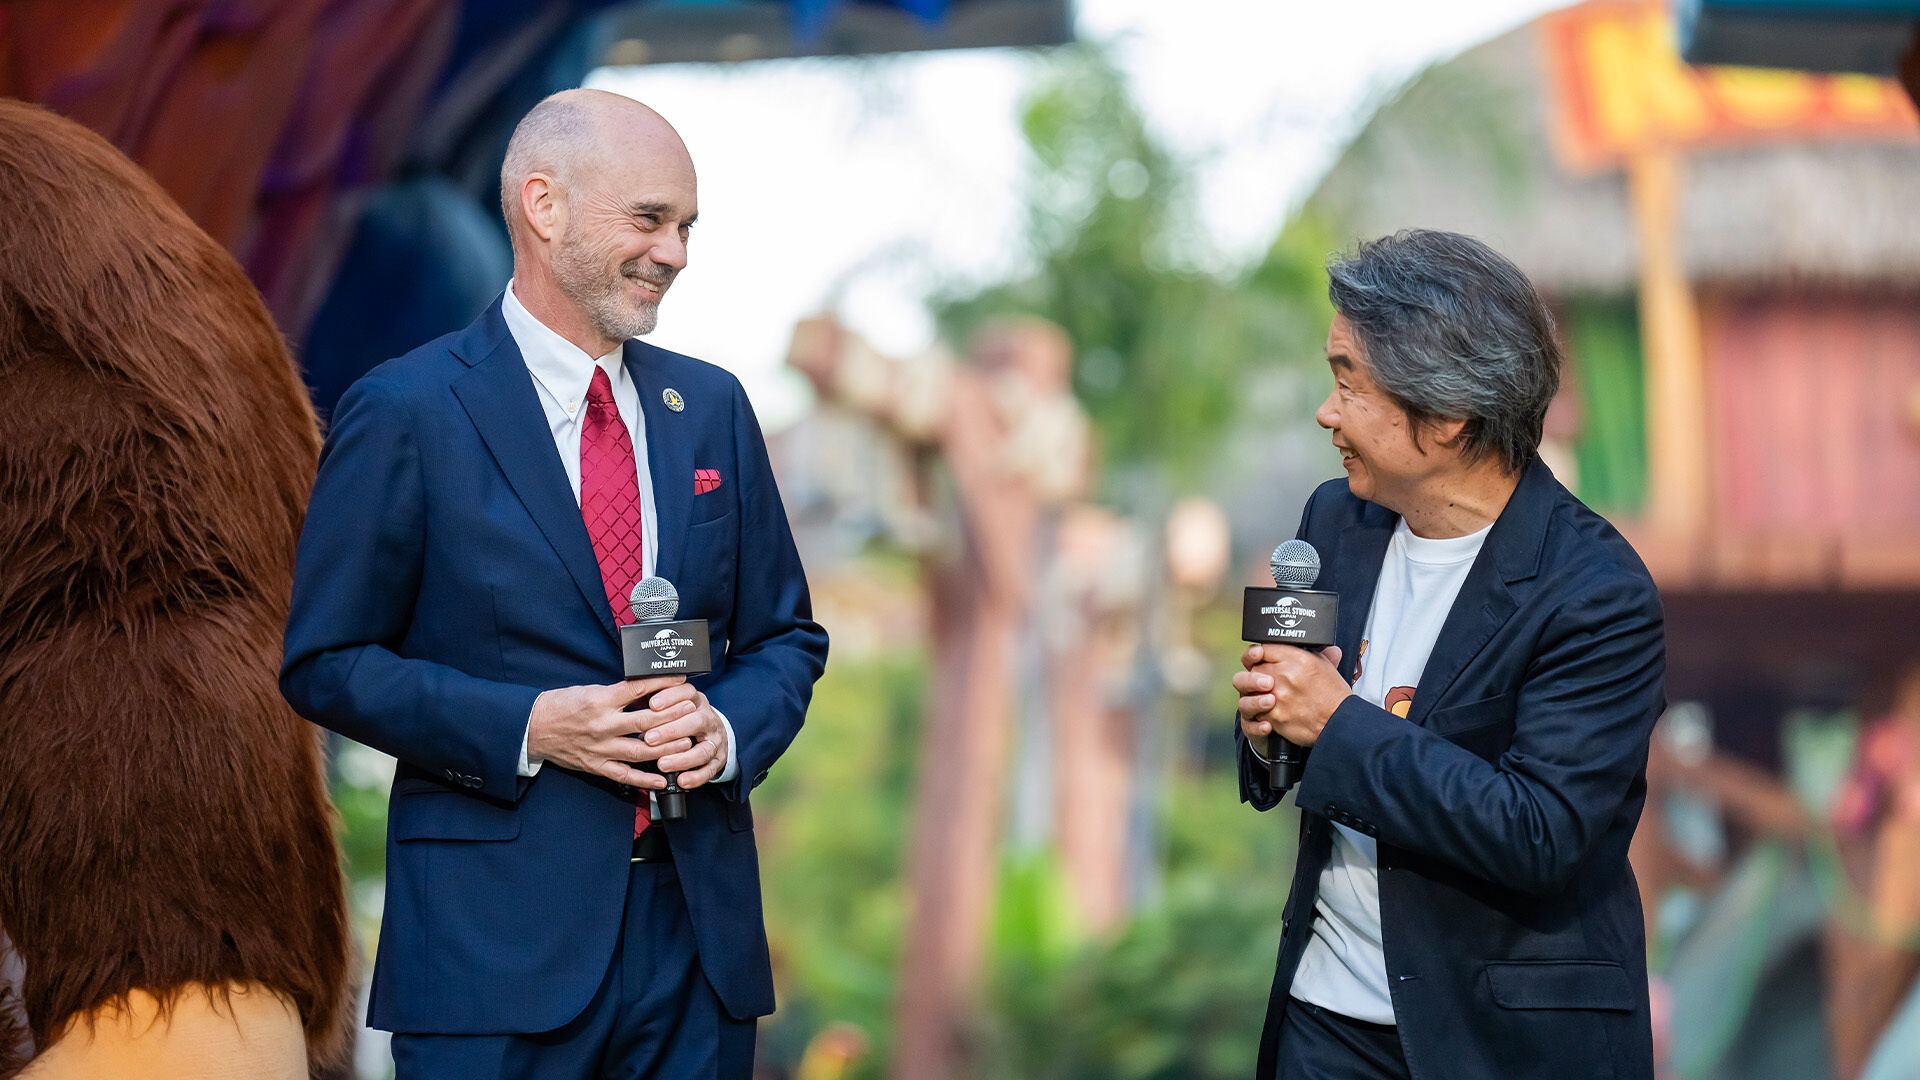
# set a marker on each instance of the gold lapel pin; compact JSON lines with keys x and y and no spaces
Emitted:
{"x":673,"y":399}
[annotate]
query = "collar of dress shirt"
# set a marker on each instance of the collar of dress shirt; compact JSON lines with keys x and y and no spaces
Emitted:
{"x":561,"y":366}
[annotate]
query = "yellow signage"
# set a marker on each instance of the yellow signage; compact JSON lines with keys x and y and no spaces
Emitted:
{"x":1619,"y":86}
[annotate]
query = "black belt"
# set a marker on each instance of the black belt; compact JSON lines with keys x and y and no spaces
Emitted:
{"x":651,"y":846}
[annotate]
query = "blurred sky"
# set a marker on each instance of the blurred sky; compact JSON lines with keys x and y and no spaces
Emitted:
{"x":862,"y":184}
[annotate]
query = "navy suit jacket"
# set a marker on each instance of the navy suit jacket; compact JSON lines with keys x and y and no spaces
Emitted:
{"x":1504,"y":802}
{"x":444,"y":580}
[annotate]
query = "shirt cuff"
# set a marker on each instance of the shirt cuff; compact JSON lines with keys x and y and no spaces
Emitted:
{"x":529,"y":766}
{"x":733,"y":760}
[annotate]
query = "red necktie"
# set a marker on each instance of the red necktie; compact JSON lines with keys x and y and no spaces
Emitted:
{"x":610,"y":505}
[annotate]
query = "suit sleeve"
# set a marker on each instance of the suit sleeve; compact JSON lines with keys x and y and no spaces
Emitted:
{"x":1528,"y":819}
{"x":356,"y":578}
{"x":775,"y":651}
{"x":1254,"y":788}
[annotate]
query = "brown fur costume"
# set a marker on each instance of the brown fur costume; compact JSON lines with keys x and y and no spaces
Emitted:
{"x":164,"y":819}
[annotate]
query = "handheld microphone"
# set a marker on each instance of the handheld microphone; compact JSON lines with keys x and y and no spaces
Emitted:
{"x":656,"y":644}
{"x":1290,"y":613}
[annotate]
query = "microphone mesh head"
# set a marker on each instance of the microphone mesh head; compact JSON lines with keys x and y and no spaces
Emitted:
{"x":1295,"y":565}
{"x":654,"y":600}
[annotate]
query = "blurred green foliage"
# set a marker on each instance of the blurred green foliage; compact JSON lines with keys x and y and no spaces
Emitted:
{"x":832,"y":823}
{"x":1178,"y":992}
{"x":1164,"y":348}
{"x":363,"y":827}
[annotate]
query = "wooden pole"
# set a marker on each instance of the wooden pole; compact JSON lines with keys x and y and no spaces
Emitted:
{"x":979,"y":588}
{"x":1679,"y":494}
{"x":955,"y":833}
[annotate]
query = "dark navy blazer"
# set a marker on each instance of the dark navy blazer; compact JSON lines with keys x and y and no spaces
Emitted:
{"x":1504,"y":802}
{"x":444,"y":580}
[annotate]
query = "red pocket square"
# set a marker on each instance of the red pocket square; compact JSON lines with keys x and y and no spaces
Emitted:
{"x":705,"y":480}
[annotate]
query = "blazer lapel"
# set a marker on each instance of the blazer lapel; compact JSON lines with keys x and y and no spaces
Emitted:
{"x":500,"y":399}
{"x":669,"y":459}
{"x":1511,"y":554}
{"x":1482,"y":608}
{"x":1363,"y":547}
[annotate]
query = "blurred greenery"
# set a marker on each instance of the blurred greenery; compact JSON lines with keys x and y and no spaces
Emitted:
{"x":363,"y":826}
{"x":1178,"y":992}
{"x":1165,"y":348}
{"x":832,"y":824}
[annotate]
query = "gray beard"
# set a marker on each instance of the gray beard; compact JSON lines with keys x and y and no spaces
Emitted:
{"x":612,"y":317}
{"x":617,"y":322}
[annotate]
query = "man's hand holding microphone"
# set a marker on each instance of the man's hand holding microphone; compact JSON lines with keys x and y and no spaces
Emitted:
{"x":1288,"y":691}
{"x":652,"y":718}
{"x":1292,"y":682}
{"x":588,"y":729}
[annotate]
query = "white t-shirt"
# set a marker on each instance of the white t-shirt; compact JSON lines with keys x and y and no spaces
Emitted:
{"x":1344,"y":968}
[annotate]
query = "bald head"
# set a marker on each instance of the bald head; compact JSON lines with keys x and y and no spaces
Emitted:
{"x":600,"y":198}
{"x":570,"y":137}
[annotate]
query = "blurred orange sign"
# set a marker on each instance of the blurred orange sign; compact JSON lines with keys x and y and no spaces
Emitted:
{"x":1619,"y":86}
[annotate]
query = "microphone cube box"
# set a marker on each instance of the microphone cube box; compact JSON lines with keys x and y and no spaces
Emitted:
{"x":649,"y":649}
{"x":1304,"y":617}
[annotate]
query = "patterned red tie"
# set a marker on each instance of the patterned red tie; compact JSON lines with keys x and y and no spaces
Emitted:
{"x":610,"y":504}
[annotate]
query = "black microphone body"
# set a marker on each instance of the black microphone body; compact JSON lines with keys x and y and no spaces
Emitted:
{"x":1291,"y":613}
{"x":657,"y":644}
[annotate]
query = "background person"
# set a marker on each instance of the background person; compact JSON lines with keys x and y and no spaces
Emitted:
{"x":1874,"y":954}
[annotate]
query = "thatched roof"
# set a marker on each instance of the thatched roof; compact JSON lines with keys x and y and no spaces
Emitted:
{"x":1466,"y":147}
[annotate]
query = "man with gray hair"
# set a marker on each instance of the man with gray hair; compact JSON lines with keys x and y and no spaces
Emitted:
{"x":484,"y":507}
{"x":1462,"y":904}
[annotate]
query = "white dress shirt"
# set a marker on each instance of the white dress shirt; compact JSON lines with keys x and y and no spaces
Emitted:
{"x":561,"y":372}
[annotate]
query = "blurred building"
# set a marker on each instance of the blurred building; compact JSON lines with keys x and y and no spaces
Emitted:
{"x":1734,"y":258}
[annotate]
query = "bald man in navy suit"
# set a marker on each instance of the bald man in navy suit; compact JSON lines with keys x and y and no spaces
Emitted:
{"x":484,"y":506}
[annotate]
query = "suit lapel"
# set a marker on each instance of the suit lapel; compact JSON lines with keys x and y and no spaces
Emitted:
{"x":669,"y":458}
{"x":1482,"y":608}
{"x":1511,"y":554}
{"x":1363,"y":547}
{"x":500,"y":399}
